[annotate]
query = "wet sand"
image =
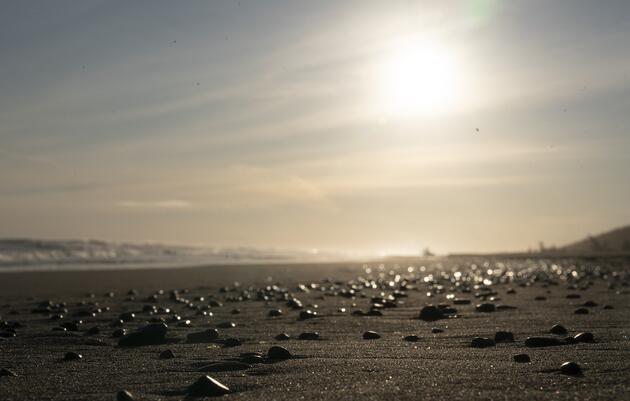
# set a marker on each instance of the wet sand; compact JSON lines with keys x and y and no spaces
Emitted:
{"x":340,"y":365}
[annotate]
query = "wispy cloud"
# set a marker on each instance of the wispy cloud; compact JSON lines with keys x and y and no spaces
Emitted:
{"x":155,"y":204}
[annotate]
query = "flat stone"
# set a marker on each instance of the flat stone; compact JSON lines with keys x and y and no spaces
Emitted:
{"x":534,"y":342}
{"x":275,"y":313}
{"x":371,"y":335}
{"x":584,"y":337}
{"x":309,"y":336}
{"x":307,"y":314}
{"x":431,"y":313}
{"x":206,"y":386}
{"x":72,"y":356}
{"x":570,"y":368}
{"x":558,"y":329}
{"x":278,"y":353}
{"x":521,"y":358}
{"x":224,"y":366}
{"x":282,"y":337}
{"x":486,"y":308}
{"x":412,"y":338}
{"x":124,"y":395}
{"x":205,"y":336}
{"x":167,"y":354}
{"x":581,"y":311}
{"x":482,"y":342}
{"x":151,"y":334}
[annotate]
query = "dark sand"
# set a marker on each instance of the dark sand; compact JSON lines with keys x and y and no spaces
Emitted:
{"x":340,"y":366}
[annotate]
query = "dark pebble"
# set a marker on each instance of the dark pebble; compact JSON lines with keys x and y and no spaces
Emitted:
{"x":226,"y":325}
{"x":151,"y":334}
{"x":485,"y":308}
{"x":205,"y":336}
{"x":503,"y":337}
{"x":542,"y":342}
{"x":581,"y":311}
{"x":505,"y":307}
{"x":307,"y":314}
{"x":558,"y":329}
{"x":278,"y":353}
{"x":167,"y":354}
{"x":119,"y":333}
{"x":607,"y":307}
{"x":482,"y":342}
{"x":459,"y":301}
{"x":282,"y":337}
{"x":589,"y":304}
{"x":309,"y":336}
{"x":206,"y":386}
{"x":371,"y":335}
{"x":412,"y":338}
{"x":584,"y":337}
{"x":7,"y":372}
{"x":225,"y":366}
{"x":124,"y":395}
{"x":275,"y":313}
{"x":436,"y":330}
{"x":232,"y":342}
{"x":570,"y":368}
{"x":127,"y":317}
{"x":521,"y":358}
{"x":431,"y":313}
{"x":72,"y":356}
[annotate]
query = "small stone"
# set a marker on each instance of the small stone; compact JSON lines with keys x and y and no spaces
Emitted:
{"x":167,"y":354}
{"x":371,"y":335}
{"x":431,"y":313}
{"x":482,"y":342}
{"x":589,"y":304}
{"x":581,"y":311}
{"x":206,"y":386}
{"x":282,"y":337}
{"x":119,"y":333}
{"x":124,"y":395}
{"x":534,"y":342}
{"x":7,"y":372}
{"x":570,"y":368}
{"x":127,"y":317}
{"x":460,"y":301}
{"x":607,"y":307}
{"x":151,"y":334}
{"x":205,"y":336}
{"x":505,"y":307}
{"x":540,"y":298}
{"x":521,"y":358}
{"x":436,"y":330}
{"x":309,"y":336}
{"x":584,"y":337}
{"x":278,"y":353}
{"x":275,"y":313}
{"x":307,"y":314}
{"x":72,"y":356}
{"x":503,"y":337}
{"x":558,"y":329}
{"x":226,"y":325}
{"x":486,"y":308}
{"x":232,"y":342}
{"x":412,"y":338}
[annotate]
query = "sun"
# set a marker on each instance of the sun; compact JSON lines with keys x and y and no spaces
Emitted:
{"x":419,"y":79}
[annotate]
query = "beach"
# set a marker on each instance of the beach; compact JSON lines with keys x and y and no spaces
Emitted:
{"x":347,"y":299}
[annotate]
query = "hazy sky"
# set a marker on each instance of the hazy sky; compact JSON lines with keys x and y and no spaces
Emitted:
{"x":279,"y":123}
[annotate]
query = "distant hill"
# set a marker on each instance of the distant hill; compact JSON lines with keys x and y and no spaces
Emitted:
{"x":615,"y":241}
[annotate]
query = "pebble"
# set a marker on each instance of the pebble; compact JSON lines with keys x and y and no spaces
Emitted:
{"x":431,"y":313}
{"x":584,"y":337}
{"x":278,"y":353}
{"x":7,"y":372}
{"x":485,"y":308}
{"x":124,"y":395}
{"x":581,"y":311}
{"x":309,"y":336}
{"x":205,"y":336}
{"x":206,"y":386}
{"x":503,"y":337}
{"x":151,"y":334}
{"x":460,"y":301}
{"x":282,"y":337}
{"x":119,"y":333}
{"x":522,"y":358}
{"x":534,"y":342}
{"x":482,"y":342}
{"x":570,"y":368}
{"x":232,"y":342}
{"x":307,"y":314}
{"x":371,"y":335}
{"x":558,"y":329}
{"x":226,"y":325}
{"x":412,"y":338}
{"x":275,"y":313}
{"x":167,"y":354}
{"x":127,"y":317}
{"x":72,"y":356}
{"x":436,"y":330}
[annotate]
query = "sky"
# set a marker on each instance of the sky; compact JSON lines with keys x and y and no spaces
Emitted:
{"x":364,"y":126}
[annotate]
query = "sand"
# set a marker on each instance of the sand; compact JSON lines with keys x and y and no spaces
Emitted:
{"x":342,"y":365}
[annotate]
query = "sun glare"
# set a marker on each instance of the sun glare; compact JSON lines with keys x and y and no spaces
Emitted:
{"x":419,"y":79}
